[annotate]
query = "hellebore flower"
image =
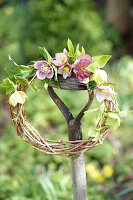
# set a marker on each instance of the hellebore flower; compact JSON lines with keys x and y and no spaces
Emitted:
{"x":104,"y":92}
{"x":61,"y":59}
{"x":103,"y":75}
{"x":80,"y":64}
{"x":45,"y":70}
{"x":66,"y":70}
{"x":100,"y":76}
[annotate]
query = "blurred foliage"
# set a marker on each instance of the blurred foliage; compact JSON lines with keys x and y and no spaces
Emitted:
{"x":25,"y":173}
{"x":125,"y":69}
{"x":24,"y":26}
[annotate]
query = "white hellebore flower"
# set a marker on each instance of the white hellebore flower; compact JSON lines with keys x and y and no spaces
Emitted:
{"x":103,"y":75}
{"x":104,"y":92}
{"x":100,"y":76}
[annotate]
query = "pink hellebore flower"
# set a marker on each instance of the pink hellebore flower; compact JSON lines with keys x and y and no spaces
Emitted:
{"x":80,"y":64}
{"x":66,"y":70}
{"x":104,"y":92}
{"x":45,"y":70}
{"x":61,"y":59}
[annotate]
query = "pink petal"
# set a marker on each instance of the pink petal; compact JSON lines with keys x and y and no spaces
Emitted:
{"x":38,"y":64}
{"x":50,"y":75}
{"x":104,"y":87}
{"x":55,"y":62}
{"x":85,"y":57}
{"x":76,"y":61}
{"x":65,"y":75}
{"x":82,"y":79}
{"x":75,"y":70}
{"x":86,"y":80}
{"x":108,"y":96}
{"x":40,"y":75}
{"x":61,"y":67}
{"x":58,"y":55}
{"x":111,"y":91}
{"x":70,"y":73}
{"x":64,"y":50}
{"x":60,"y":71}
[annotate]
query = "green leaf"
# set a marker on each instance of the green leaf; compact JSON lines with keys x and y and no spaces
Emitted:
{"x":101,"y":60}
{"x":92,"y":85}
{"x":94,"y":133}
{"x":46,"y":82}
{"x":56,"y":83}
{"x":19,"y":70}
{"x":113,"y":115}
{"x":112,"y":123}
{"x":102,"y":107}
{"x":106,"y":84}
{"x":104,"y":127}
{"x":21,"y":67}
{"x":30,"y":74}
{"x":83,"y":50}
{"x":12,"y":70}
{"x":21,"y":80}
{"x":77,"y":48}
{"x":46,"y":86}
{"x":9,"y":85}
{"x":69,"y":54}
{"x":12,"y":78}
{"x":27,"y":74}
{"x":56,"y":72}
{"x":17,"y":97}
{"x":70,"y":47}
{"x":113,"y":120}
{"x":46,"y":54}
{"x":24,"y":68}
{"x":77,"y":52}
{"x":92,"y":67}
{"x":12,"y":60}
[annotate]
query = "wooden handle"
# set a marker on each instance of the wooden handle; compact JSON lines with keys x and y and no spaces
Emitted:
{"x":70,"y":83}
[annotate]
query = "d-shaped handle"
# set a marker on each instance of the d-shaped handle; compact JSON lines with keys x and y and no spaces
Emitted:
{"x":74,"y":124}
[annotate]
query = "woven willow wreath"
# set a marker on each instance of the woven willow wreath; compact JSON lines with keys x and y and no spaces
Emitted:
{"x":71,"y":70}
{"x":66,"y":148}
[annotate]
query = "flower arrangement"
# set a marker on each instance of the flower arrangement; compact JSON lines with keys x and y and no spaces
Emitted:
{"x":71,"y":62}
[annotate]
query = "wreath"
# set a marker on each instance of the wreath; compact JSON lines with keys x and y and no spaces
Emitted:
{"x":71,"y":69}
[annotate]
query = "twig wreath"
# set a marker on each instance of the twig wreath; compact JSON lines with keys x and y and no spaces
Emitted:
{"x":73,"y":70}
